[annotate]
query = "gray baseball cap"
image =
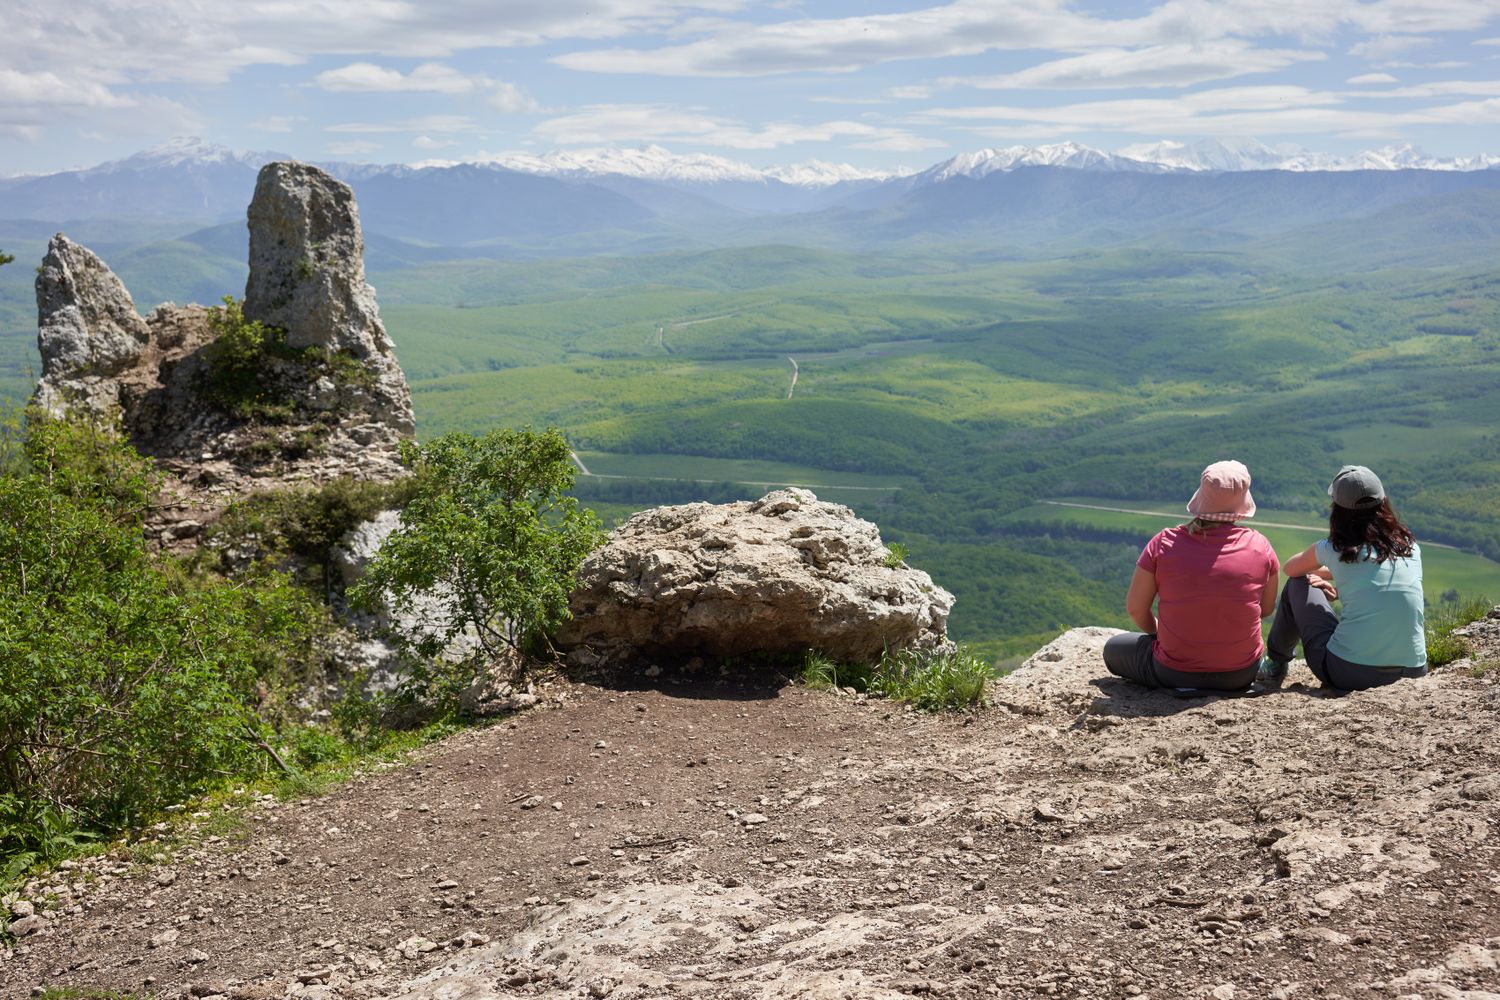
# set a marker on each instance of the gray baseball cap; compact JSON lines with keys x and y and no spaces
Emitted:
{"x":1356,"y":488}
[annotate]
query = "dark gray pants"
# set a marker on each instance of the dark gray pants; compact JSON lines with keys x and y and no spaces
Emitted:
{"x":1129,"y":656}
{"x":1303,"y":612}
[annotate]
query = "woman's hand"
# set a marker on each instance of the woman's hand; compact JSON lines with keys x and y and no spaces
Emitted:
{"x":1323,"y":584}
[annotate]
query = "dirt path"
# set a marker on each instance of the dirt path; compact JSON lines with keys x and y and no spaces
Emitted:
{"x":1080,"y":839}
{"x":793,"y":387}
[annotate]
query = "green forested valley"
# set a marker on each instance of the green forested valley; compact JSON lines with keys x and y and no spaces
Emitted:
{"x":947,"y":392}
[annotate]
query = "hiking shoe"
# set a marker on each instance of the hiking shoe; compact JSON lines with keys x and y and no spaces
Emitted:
{"x":1269,"y":677}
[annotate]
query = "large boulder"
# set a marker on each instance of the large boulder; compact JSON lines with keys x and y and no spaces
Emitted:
{"x":783,"y":574}
{"x":307,"y":276}
{"x":88,"y":331}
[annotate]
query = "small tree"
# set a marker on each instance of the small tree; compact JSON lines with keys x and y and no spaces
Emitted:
{"x":490,"y":540}
{"x":5,"y":258}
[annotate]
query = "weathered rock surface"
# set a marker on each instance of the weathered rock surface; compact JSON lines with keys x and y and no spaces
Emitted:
{"x":87,"y":329}
{"x":782,"y":574}
{"x":307,"y":274}
{"x":425,"y":614}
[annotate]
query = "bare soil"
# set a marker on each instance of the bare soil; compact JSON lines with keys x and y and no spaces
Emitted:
{"x":1081,"y":838}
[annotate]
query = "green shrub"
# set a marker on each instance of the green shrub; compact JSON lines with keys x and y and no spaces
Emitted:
{"x":126,"y":681}
{"x":1443,"y":647}
{"x":242,"y":376}
{"x":491,"y":535}
{"x":302,"y":522}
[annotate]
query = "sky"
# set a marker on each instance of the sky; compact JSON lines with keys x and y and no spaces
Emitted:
{"x":879,"y":84}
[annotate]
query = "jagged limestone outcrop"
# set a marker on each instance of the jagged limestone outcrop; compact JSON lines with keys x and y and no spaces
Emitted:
{"x":783,"y":574}
{"x":341,"y":405}
{"x":87,"y":329}
{"x":307,"y":277}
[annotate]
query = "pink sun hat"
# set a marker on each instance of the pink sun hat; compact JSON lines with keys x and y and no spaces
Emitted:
{"x":1223,"y":493}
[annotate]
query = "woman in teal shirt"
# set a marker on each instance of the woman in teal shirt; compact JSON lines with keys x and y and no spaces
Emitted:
{"x":1371,"y":562}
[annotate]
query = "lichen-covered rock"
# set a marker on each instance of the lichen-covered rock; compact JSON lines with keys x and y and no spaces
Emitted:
{"x":307,"y":276}
{"x":783,"y":574}
{"x":87,"y":329}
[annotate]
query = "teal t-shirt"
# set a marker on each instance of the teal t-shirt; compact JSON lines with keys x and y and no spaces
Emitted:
{"x":1381,"y":624}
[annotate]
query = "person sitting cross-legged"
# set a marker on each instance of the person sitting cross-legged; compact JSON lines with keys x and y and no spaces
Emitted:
{"x":1372,"y":564}
{"x":1211,"y":580}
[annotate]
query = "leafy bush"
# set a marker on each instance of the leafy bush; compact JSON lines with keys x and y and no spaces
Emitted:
{"x":242,"y":378}
{"x":490,"y":535}
{"x":302,"y":522}
{"x":895,"y":555}
{"x":126,"y":682}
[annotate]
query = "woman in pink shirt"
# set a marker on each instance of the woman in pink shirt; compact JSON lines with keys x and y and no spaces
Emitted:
{"x":1211,"y":581}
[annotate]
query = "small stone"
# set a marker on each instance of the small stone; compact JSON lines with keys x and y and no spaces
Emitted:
{"x":532,"y":801}
{"x":25,"y":926}
{"x":195,"y":956}
{"x":600,"y":745}
{"x":315,"y":976}
{"x":470,"y":939}
{"x":166,"y":877}
{"x":165,"y":938}
{"x":446,"y":884}
{"x":1224,"y":992}
{"x":579,"y":861}
{"x":753,"y":819}
{"x":22,"y":908}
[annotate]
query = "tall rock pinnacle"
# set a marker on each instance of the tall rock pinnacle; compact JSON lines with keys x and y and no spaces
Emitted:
{"x":307,"y":276}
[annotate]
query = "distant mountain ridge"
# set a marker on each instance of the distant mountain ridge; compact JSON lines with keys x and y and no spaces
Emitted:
{"x":651,"y":199}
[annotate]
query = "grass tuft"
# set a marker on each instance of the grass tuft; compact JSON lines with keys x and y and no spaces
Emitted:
{"x":1443,"y":647}
{"x":929,"y":681}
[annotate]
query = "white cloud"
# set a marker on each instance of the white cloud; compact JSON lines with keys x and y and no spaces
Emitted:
{"x":114,"y":40}
{"x":1153,"y":66}
{"x":425,"y":123}
{"x":1388,"y":46}
{"x":605,"y":124}
{"x":971,"y":27}
{"x":277,"y":123}
{"x":512,"y":100}
{"x":1440,"y":88}
{"x":1229,"y":111}
{"x":1366,"y":78}
{"x":363,"y":77}
{"x":353,"y":147}
{"x":1487,"y":41}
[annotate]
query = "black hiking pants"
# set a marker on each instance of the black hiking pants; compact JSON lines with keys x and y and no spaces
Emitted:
{"x":1129,"y":656}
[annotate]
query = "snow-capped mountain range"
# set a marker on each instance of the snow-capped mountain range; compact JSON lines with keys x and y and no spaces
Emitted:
{"x":659,"y":164}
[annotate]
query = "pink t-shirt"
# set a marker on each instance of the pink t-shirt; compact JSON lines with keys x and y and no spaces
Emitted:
{"x":1208,"y":596}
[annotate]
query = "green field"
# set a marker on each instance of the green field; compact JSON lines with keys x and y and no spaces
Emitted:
{"x":943,"y":393}
{"x":1443,"y":569}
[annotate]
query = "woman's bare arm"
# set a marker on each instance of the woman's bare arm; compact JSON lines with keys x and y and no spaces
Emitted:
{"x":1139,"y":598}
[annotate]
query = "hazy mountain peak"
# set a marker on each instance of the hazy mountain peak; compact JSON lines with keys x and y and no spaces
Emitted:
{"x":1060,"y":154}
{"x":189,"y":151}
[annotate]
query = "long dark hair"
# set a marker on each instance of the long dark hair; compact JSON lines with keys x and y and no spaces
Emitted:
{"x":1350,"y":531}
